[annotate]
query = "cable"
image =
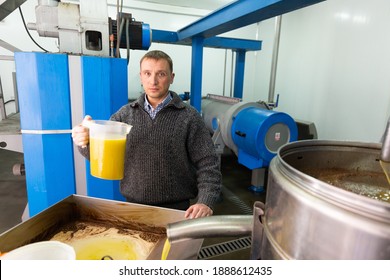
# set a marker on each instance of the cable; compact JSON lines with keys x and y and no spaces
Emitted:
{"x":11,"y":100}
{"x":25,"y":26}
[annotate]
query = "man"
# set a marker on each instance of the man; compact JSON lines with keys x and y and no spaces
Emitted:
{"x":170,"y":157}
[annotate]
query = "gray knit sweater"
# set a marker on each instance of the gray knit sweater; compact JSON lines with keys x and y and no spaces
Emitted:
{"x":170,"y":158}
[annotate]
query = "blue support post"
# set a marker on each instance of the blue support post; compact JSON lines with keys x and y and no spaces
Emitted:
{"x":239,"y":74}
{"x":45,"y":119}
{"x":105,"y":91}
{"x":196,"y":72}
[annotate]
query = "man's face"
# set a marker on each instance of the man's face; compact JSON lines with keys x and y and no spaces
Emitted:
{"x":156,"y":78}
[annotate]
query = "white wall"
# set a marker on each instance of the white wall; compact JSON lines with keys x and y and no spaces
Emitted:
{"x":333,"y":68}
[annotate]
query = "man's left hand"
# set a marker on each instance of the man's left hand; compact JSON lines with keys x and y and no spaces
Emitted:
{"x":198,"y":210}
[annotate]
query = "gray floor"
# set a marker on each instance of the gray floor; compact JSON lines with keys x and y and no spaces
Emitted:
{"x":13,"y":196}
{"x":236,"y":199}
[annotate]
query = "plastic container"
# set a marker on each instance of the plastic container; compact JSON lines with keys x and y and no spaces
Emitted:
{"x":44,"y":250}
{"x":107,"y":140}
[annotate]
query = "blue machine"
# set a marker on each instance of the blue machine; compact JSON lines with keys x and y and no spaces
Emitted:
{"x":258,"y":133}
{"x":56,"y":91}
{"x":45,"y":123}
{"x":253,"y":132}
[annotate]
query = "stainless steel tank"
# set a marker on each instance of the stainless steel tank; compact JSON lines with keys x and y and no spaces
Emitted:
{"x":103,"y":226}
{"x":326,"y":200}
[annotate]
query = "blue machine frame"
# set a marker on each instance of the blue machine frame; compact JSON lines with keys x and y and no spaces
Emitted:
{"x":46,"y":121}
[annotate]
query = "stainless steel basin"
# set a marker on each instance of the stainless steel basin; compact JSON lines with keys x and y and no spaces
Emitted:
{"x":127,"y":217}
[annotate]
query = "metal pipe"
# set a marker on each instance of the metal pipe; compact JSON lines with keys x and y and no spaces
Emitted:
{"x":7,"y":57}
{"x":16,"y":96}
{"x":224,"y":74}
{"x":3,"y":114}
{"x":274,"y":63}
{"x":385,"y":152}
{"x":231,"y":75}
{"x":9,"y":47}
{"x":213,"y":226}
{"x":8,"y":6}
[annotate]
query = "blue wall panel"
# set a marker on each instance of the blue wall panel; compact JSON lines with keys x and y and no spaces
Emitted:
{"x":105,"y":91}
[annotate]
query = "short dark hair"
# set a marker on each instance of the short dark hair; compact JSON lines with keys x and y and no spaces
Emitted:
{"x":158,"y":55}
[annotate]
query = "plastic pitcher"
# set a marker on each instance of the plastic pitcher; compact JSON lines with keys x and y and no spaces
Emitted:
{"x":107,"y":147}
{"x":44,"y":250}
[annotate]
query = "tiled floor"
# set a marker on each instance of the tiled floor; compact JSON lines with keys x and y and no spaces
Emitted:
{"x":236,"y":200}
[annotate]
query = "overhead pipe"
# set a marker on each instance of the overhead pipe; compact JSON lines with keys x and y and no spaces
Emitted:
{"x":8,"y":6}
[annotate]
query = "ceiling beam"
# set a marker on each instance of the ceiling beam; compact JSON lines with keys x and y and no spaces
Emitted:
{"x":239,"y":14}
{"x":170,"y":37}
{"x":8,"y":6}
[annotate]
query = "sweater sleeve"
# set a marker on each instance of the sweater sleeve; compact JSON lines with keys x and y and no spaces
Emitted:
{"x":84,"y":151}
{"x":203,"y":155}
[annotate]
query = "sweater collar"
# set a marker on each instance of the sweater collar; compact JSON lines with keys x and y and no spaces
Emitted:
{"x":176,"y":101}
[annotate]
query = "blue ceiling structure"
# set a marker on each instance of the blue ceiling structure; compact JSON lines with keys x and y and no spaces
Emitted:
{"x":203,"y":33}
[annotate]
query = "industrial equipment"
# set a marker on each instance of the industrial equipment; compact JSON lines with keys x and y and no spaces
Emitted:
{"x":326,"y":200}
{"x":86,"y":29}
{"x":326,"y":219}
{"x":250,"y":129}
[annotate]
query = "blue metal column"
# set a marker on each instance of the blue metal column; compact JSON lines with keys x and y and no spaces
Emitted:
{"x":239,"y":73}
{"x":105,"y":91}
{"x":196,"y":72}
{"x":43,"y":88}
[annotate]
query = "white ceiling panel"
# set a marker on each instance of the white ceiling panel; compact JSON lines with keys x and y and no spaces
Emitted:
{"x":198,"y":4}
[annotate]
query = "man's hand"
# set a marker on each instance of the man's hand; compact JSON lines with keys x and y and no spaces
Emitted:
{"x":80,"y":133}
{"x":198,"y":210}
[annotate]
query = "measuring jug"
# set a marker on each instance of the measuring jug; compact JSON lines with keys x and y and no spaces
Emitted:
{"x":107,"y":146}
